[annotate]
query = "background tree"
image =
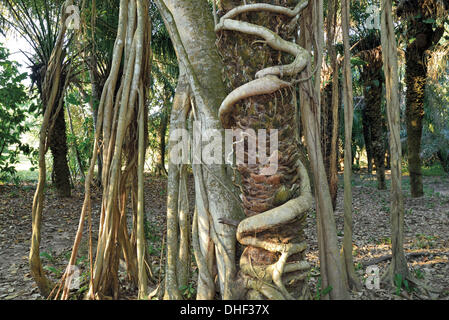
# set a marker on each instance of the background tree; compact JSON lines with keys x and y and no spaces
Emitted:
{"x":423,"y":23}
{"x":331,"y":101}
{"x":398,"y":268}
{"x":38,"y":23}
{"x":373,"y":79}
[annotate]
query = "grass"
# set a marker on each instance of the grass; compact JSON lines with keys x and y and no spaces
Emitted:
{"x":435,"y":170}
{"x":28,"y":175}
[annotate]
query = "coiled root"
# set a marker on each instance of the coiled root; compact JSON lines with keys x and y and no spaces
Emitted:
{"x":272,"y":264}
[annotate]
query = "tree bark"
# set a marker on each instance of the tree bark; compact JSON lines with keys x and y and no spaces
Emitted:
{"x":176,"y":268}
{"x":59,"y":150}
{"x":415,"y":78}
{"x":420,"y":37}
{"x":51,"y":86}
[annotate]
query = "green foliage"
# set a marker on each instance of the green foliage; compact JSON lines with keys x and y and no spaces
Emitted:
{"x":82,"y":137}
{"x":321,"y":292}
{"x":188,"y":291}
{"x":401,"y":283}
{"x":424,"y":241}
{"x":15,"y":115}
{"x":419,"y":274}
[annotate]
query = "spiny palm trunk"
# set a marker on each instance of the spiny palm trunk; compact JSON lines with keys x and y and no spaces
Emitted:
{"x":58,"y":138}
{"x":262,"y":193}
{"x":373,"y":98}
{"x":59,"y":149}
{"x":416,"y":75}
{"x":420,"y":37}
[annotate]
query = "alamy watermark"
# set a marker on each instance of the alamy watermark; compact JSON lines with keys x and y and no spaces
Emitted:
{"x":74,"y":277}
{"x":239,"y":147}
{"x":373,"y":278}
{"x":74,"y":18}
{"x":373,"y":20}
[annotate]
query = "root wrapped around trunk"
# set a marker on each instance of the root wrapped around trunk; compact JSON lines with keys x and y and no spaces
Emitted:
{"x":256,"y":232}
{"x":273,"y":264}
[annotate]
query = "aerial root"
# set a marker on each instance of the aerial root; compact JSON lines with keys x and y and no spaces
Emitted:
{"x":247,"y":235}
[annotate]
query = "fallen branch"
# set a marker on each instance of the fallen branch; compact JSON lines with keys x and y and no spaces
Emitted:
{"x":408,"y":255}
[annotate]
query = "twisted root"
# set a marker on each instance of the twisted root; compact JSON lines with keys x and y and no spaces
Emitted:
{"x":262,"y":279}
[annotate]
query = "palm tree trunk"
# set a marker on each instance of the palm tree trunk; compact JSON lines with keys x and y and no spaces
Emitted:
{"x":373,"y":98}
{"x":416,"y":75}
{"x":59,"y":150}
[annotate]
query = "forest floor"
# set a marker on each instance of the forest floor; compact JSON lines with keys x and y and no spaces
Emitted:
{"x":426,"y":235}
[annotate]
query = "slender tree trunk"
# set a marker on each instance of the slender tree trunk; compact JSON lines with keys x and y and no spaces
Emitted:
{"x":50,"y":89}
{"x":332,"y":23}
{"x":327,"y":141}
{"x":59,"y":150}
{"x":398,"y":264}
{"x":347,"y":258}
{"x":176,"y":269}
{"x":367,"y":137}
{"x":331,"y":271}
{"x":160,"y":170}
{"x":97,"y":89}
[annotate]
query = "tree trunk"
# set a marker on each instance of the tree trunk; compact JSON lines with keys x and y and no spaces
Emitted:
{"x":177,"y":270}
{"x":59,"y":150}
{"x":333,"y":102}
{"x":50,"y":90}
{"x":160,"y":169}
{"x":268,"y":271}
{"x":415,"y":78}
{"x":328,"y":140}
{"x":97,"y":89}
{"x":191,"y":29}
{"x":398,"y":264}
{"x":420,"y":37}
